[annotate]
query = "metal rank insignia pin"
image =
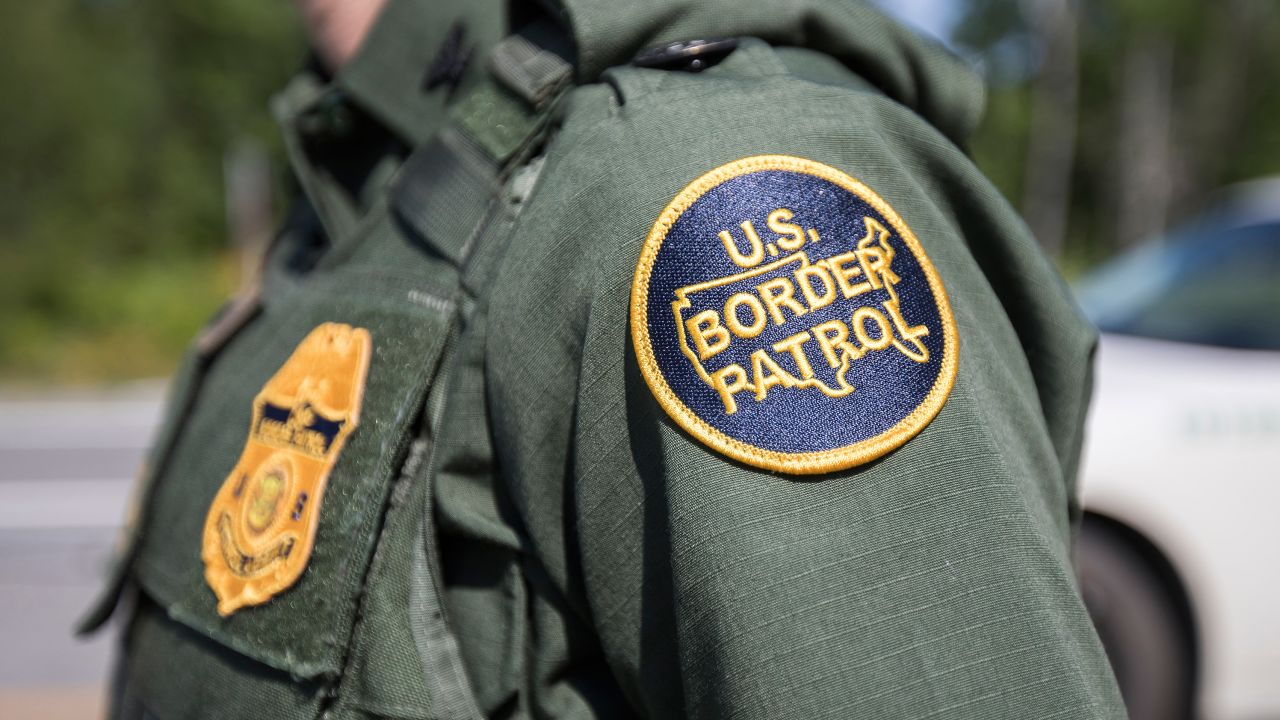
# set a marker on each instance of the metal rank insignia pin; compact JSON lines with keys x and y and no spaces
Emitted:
{"x":261,"y":527}
{"x":785,"y":315}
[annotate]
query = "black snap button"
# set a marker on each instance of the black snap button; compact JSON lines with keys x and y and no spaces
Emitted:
{"x":330,"y":118}
{"x":686,"y":55}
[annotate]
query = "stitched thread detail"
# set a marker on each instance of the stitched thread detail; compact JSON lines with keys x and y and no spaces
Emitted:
{"x":823,"y":461}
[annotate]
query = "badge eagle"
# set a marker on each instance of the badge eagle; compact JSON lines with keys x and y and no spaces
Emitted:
{"x":261,"y":527}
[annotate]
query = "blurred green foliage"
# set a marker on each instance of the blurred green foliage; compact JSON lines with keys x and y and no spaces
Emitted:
{"x":119,"y":113}
{"x":117,"y":117}
{"x":1179,"y":96}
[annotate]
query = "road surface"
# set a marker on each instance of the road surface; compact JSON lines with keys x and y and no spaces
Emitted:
{"x":67,"y":463}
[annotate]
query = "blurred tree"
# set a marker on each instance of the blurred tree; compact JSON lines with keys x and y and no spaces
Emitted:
{"x":1107,"y":120}
{"x":1112,"y":119}
{"x":111,"y":190}
{"x":1051,"y":145}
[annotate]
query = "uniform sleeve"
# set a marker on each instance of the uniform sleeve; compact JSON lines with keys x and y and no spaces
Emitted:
{"x":934,"y":581}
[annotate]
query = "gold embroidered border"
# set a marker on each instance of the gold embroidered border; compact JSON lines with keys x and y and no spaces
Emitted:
{"x":810,"y":463}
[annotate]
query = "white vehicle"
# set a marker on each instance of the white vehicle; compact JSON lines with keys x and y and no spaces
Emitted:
{"x":1179,"y":555}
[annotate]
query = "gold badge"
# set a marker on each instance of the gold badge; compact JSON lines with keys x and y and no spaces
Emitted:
{"x":261,"y":526}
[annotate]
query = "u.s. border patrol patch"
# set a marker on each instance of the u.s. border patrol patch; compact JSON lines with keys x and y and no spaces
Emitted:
{"x":785,"y":315}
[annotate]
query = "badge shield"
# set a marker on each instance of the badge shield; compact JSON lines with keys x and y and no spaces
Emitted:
{"x":261,"y":526}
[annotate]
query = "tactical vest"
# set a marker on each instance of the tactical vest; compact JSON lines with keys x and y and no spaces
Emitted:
{"x":360,"y":630}
{"x":457,"y":458}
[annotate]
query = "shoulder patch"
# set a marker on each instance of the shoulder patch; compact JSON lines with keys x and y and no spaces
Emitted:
{"x":261,"y":527}
{"x":784,"y":315}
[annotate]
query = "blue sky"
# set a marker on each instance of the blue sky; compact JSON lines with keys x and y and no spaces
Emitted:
{"x":935,"y":17}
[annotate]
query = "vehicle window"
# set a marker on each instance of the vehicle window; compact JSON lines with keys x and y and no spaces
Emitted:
{"x":1226,"y":291}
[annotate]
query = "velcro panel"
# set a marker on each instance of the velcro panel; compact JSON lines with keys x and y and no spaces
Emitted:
{"x":305,"y":628}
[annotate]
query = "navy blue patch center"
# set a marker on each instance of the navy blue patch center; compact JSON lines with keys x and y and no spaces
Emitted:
{"x":788,"y":317}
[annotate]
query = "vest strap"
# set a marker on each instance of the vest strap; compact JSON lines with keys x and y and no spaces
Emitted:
{"x":445,"y":191}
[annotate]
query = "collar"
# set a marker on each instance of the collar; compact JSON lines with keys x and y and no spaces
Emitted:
{"x":418,"y":55}
{"x":395,"y":79}
{"x":905,"y":66}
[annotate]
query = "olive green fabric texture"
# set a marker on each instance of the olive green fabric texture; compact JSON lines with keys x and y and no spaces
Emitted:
{"x":517,"y":529}
{"x":935,"y":582}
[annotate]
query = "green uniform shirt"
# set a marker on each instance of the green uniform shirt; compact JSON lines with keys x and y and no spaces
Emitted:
{"x":512,"y":524}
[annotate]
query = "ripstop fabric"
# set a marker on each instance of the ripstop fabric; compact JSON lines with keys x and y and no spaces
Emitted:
{"x":517,"y":529}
